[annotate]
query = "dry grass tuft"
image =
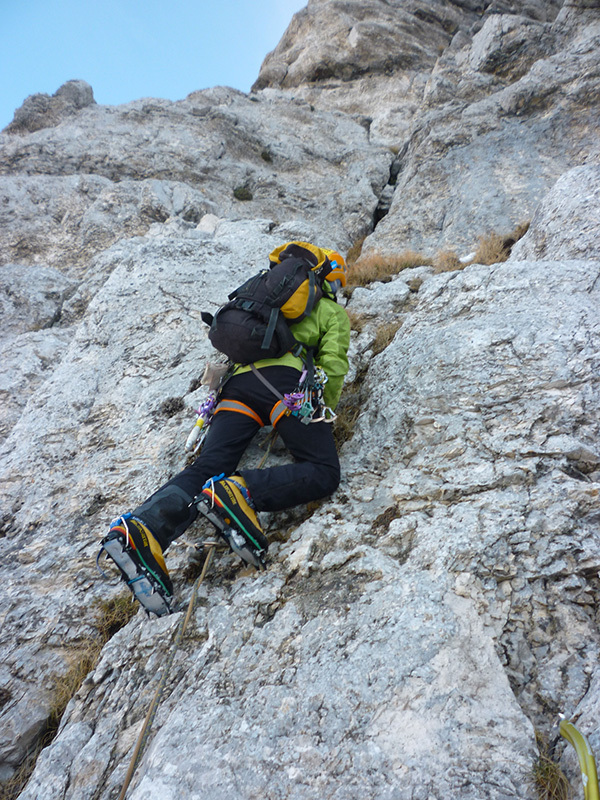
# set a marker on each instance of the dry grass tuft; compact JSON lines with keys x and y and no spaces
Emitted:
{"x":491,"y":250}
{"x":381,"y":267}
{"x":384,"y":336}
{"x":12,"y":788}
{"x":549,"y":781}
{"x":447,"y":261}
{"x":82,"y":663}
{"x":114,"y":614}
{"x":494,"y":248}
{"x":111,"y":616}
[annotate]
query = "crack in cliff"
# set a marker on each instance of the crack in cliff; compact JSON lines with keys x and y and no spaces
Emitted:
{"x":387,"y":194}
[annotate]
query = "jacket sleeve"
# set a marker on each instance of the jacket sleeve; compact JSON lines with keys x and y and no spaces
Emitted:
{"x":332,"y":354}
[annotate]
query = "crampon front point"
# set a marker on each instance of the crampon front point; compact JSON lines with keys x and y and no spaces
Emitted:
{"x":146,"y":588}
{"x":238,"y":543}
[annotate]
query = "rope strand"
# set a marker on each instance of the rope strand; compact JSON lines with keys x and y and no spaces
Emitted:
{"x":145,"y":732}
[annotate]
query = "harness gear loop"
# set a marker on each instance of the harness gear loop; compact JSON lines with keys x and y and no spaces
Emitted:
{"x":306,"y":401}
{"x":145,"y":732}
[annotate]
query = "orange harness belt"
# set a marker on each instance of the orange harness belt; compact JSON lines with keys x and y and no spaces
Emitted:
{"x":278,"y":411}
{"x":240,"y":408}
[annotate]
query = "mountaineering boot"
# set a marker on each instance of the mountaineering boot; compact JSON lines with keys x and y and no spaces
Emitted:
{"x":137,"y":554}
{"x":226,"y":503}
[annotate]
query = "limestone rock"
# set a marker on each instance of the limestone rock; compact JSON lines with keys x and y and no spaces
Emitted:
{"x":413,"y":632}
{"x":43,"y":111}
{"x":31,"y":303}
{"x":63,"y":221}
{"x":508,"y":45}
{"x":350,"y":39}
{"x":285,"y":155}
{"x":508,"y":95}
{"x":491,"y":147}
{"x":446,"y":553}
{"x":566,"y":224}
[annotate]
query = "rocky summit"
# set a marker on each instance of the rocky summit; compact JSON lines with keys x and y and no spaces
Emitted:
{"x":416,"y":636}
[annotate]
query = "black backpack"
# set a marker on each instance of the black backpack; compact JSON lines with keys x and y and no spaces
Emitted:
{"x":254,"y":324}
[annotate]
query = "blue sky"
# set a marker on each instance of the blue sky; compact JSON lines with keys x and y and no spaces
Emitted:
{"x":127,"y":49}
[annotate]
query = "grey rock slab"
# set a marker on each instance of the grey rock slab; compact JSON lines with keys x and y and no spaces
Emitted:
{"x":412,"y":632}
{"x":346,"y":40}
{"x":27,"y":361}
{"x":332,"y":56}
{"x":416,"y":604}
{"x":285,"y":156}
{"x":63,"y":221}
{"x":486,"y":152}
{"x":566,"y":224}
{"x":480,"y":410}
{"x":31,"y":344}
{"x":362,"y":695}
{"x":103,"y":414}
{"x":31,"y":298}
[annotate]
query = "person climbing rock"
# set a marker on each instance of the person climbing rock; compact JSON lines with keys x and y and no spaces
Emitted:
{"x":294,"y":389}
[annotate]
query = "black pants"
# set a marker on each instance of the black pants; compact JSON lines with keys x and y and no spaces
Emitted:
{"x":315,"y":472}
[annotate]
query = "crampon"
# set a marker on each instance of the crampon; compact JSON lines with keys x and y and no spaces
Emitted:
{"x":237,"y":541}
{"x":140,"y":580}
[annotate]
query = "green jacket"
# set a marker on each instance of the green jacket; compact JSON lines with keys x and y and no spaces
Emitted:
{"x":327,"y":328}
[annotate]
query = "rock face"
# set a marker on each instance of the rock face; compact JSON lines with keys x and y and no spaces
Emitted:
{"x":42,"y":111}
{"x":565,"y":224}
{"x":486,"y":104}
{"x":413,"y":633}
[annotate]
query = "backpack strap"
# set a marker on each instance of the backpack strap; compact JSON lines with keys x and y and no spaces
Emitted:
{"x":312,"y":292}
{"x":309,"y":363}
{"x":268,"y":337}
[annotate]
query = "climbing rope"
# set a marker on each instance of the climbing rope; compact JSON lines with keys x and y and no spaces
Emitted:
{"x":270,"y":442}
{"x":145,"y":732}
{"x":587,"y":763}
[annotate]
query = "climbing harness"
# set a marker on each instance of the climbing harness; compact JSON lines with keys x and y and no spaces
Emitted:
{"x":145,"y":732}
{"x":306,"y":402}
{"x":587,"y":762}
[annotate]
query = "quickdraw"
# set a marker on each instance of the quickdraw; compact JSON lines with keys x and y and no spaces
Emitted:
{"x":307,"y":401}
{"x":214,"y":377}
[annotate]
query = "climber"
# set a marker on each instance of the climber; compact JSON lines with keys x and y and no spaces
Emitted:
{"x":247,"y":401}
